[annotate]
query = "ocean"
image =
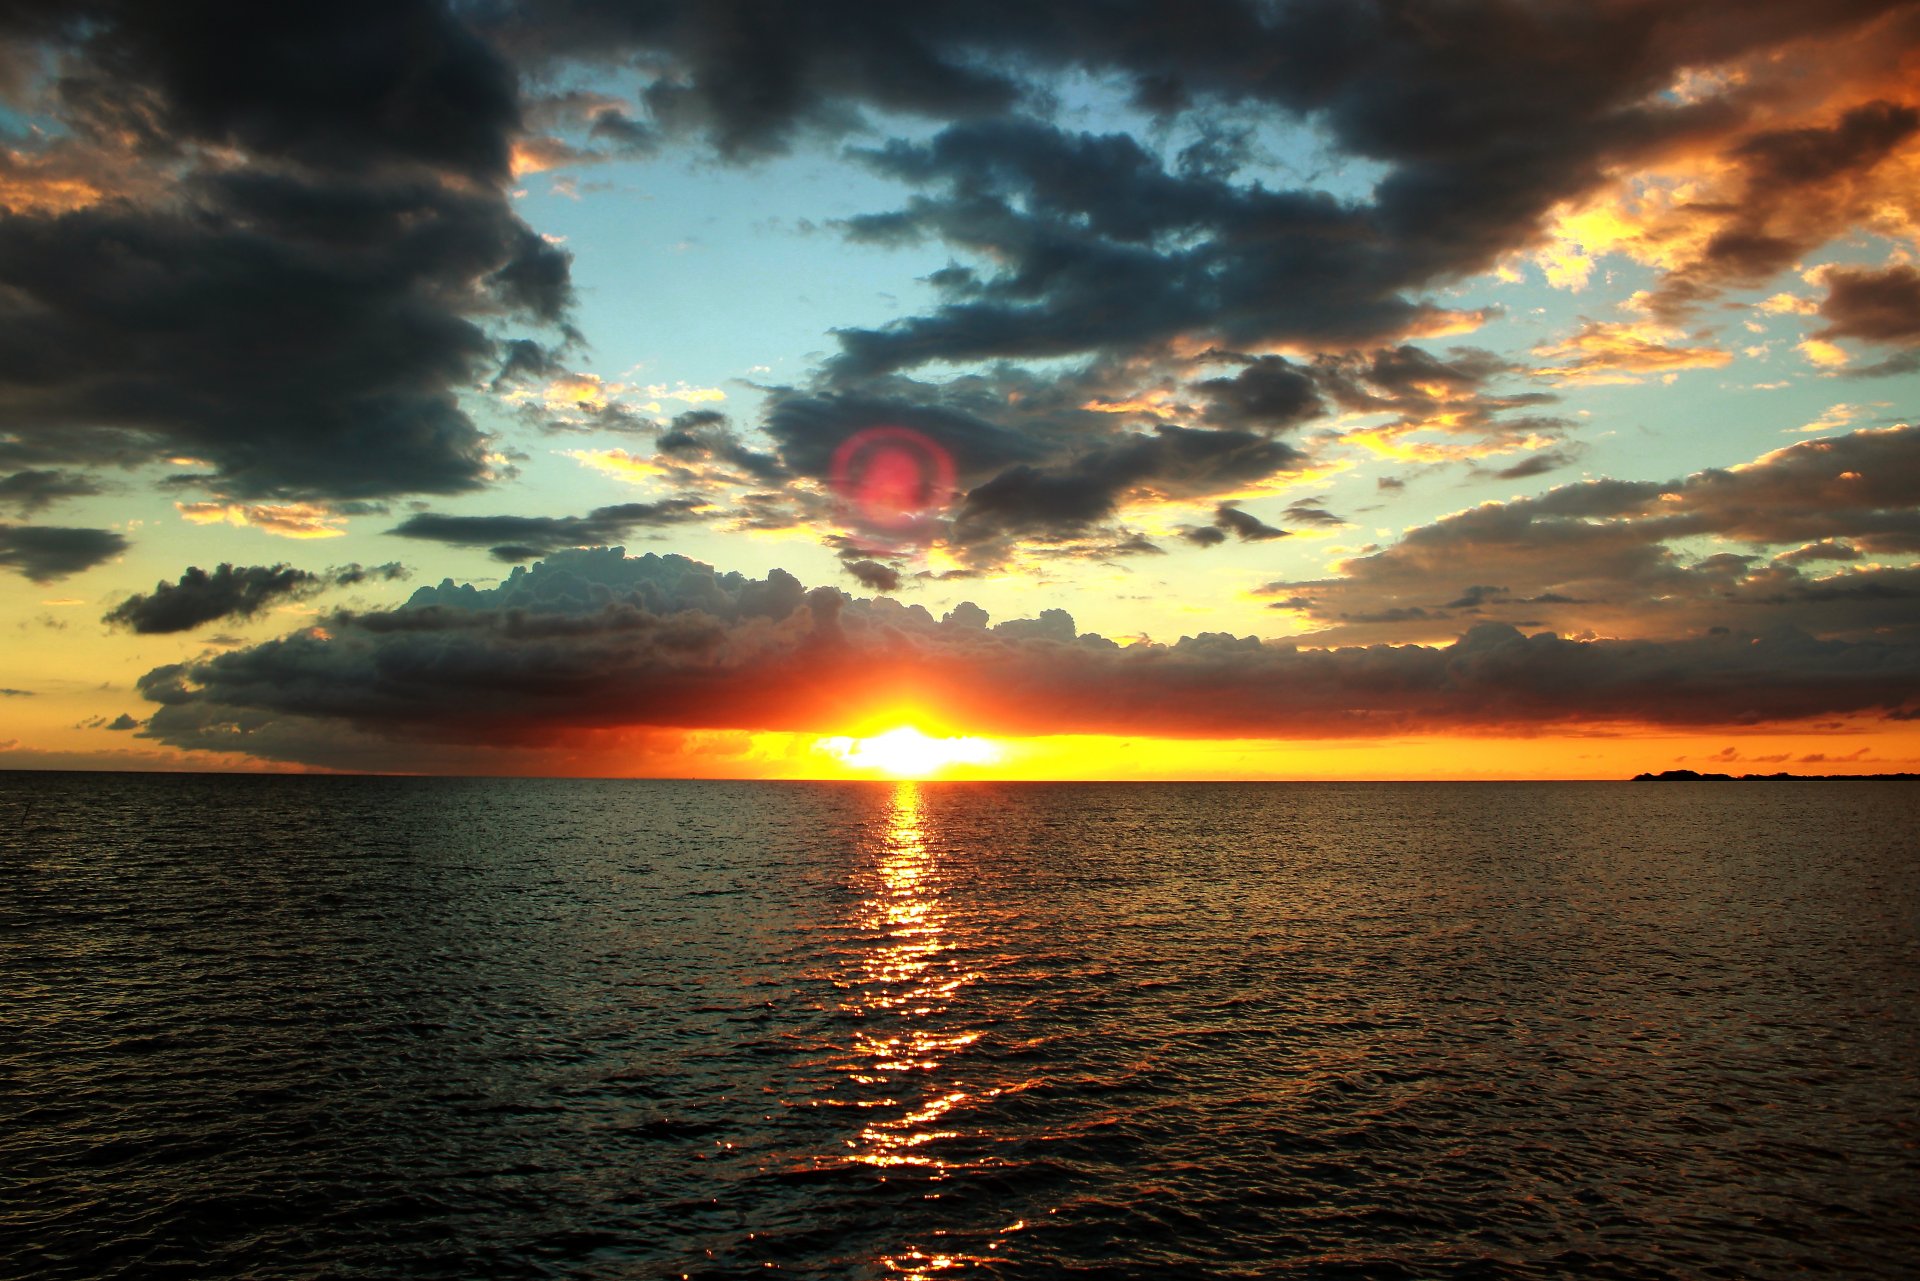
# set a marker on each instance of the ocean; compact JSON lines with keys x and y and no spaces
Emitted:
{"x":292,"y":1027}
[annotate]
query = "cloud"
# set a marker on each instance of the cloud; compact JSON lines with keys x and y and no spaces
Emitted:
{"x":231,"y":591}
{"x":1064,"y":500}
{"x":1244,"y":525}
{"x":45,"y":553}
{"x":1075,"y":225}
{"x":1824,"y":550}
{"x":1600,"y":352}
{"x":874,"y":576}
{"x":317,"y":202}
{"x":353,"y":575}
{"x":1452,"y":396}
{"x":1651,"y":559}
{"x":1040,"y":461}
{"x":201,"y":597}
{"x":1483,"y":125}
{"x":1796,"y":187}
{"x":586,"y":642}
{"x":318,"y":261}
{"x":1874,"y":306}
{"x":1313,"y":511}
{"x":1536,"y":464}
{"x":1270,"y":392}
{"x":285,"y":520}
{"x":704,"y":436}
{"x":1229,"y":519}
{"x":31,"y":491}
{"x":752,"y":84}
{"x":518,"y":538}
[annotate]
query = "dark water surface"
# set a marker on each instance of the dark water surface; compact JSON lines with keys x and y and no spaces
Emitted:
{"x":285,"y":1027}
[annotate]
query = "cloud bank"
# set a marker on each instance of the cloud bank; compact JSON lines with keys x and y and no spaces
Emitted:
{"x":597,"y":640}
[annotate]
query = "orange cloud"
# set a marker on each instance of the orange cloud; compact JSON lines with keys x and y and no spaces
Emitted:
{"x":1797,"y":144}
{"x":283,"y":520}
{"x":618,"y":463}
{"x":1617,"y":353}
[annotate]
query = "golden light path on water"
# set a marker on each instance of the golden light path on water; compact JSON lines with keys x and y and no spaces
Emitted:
{"x":911,"y":979}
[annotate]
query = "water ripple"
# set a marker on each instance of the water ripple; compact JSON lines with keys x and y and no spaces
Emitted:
{"x":285,"y":1027}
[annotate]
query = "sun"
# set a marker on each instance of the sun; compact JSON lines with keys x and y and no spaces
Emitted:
{"x":905,"y":752}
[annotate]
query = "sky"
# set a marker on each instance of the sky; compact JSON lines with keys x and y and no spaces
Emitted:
{"x":1317,"y":389}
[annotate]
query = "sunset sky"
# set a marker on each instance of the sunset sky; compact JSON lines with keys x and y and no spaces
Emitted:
{"x":1139,"y":390}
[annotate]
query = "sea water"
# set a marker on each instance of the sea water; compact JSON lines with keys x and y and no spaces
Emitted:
{"x":270,"y":1027}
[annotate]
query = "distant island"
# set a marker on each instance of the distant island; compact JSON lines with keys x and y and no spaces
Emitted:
{"x":1694,"y":776}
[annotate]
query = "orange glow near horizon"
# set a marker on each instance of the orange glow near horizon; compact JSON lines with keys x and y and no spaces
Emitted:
{"x":904,"y":743}
{"x":907,"y":752}
{"x":899,"y":748}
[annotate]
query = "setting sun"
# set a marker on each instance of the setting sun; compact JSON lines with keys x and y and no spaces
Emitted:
{"x":905,"y":752}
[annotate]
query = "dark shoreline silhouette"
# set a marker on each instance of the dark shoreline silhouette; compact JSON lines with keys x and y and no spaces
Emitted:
{"x":1694,"y":776}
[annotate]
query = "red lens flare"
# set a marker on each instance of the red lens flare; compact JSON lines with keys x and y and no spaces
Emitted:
{"x":892,"y":477}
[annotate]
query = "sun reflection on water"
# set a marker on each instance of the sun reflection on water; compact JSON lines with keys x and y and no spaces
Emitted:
{"x":910,"y":979}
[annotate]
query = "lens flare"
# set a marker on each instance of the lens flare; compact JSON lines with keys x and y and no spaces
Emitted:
{"x":892,"y":477}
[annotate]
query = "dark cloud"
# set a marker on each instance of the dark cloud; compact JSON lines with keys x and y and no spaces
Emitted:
{"x":704,"y":435}
{"x":234,"y":591}
{"x":353,"y":575}
{"x":312,"y":255}
{"x":1064,"y":500}
{"x":16,"y":693}
{"x":1876,"y":306}
{"x":321,"y":262}
{"x":873,"y":575}
{"x":1313,"y":511}
{"x":201,"y":597}
{"x":1244,"y":525}
{"x":1618,"y":557}
{"x":1789,"y":159}
{"x":1536,"y":464}
{"x":123,"y":721}
{"x":522,"y":360}
{"x":751,"y":79}
{"x":963,"y":420}
{"x":591,"y":641}
{"x":1906,"y":362}
{"x":31,"y":491}
{"x":1271,"y":392}
{"x":518,"y":538}
{"x":1483,"y":119}
{"x":346,"y":86}
{"x":1229,"y":519}
{"x":1082,"y":225}
{"x":1039,"y":460}
{"x":44,"y":553}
